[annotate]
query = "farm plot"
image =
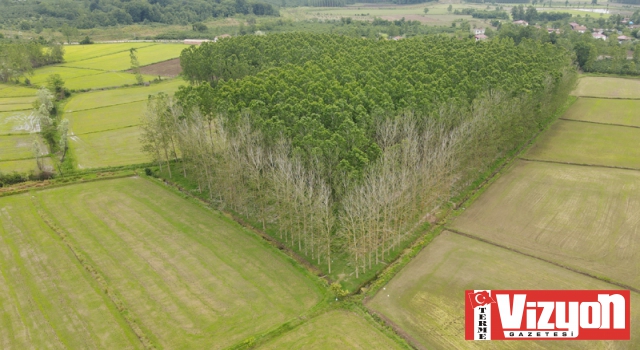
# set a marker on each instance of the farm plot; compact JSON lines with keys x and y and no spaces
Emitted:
{"x":426,"y":299}
{"x":41,"y":75}
{"x":608,"y":87}
{"x":103,"y":80}
{"x":107,"y":118}
{"x":587,"y":218}
{"x":108,"y":148}
{"x":16,"y":147}
{"x":48,"y":301}
{"x":16,"y":91}
{"x":588,"y":143}
{"x":597,"y":110}
{"x":121,"y":61}
{"x":120,"y":96}
{"x":73,"y":53}
{"x":191,"y":278}
{"x":23,"y":165}
{"x":334,"y":330}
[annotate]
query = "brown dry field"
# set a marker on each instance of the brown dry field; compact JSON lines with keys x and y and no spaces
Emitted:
{"x":170,"y":68}
{"x":586,"y":218}
{"x":426,"y":299}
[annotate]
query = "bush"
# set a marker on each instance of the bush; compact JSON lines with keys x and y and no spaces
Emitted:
{"x":86,"y":41}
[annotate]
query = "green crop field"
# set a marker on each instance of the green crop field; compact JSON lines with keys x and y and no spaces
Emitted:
{"x":426,"y":298}
{"x":16,"y":147}
{"x":107,"y":118}
{"x":108,"y":148}
{"x":608,"y":87}
{"x":103,"y":80}
{"x":105,"y":98}
{"x":121,"y":61}
{"x":16,"y":91}
{"x":623,"y":112}
{"x":17,"y":122}
{"x":588,"y":143}
{"x":15,"y":107}
{"x":587,"y":218}
{"x":41,"y":75}
{"x":21,"y":166}
{"x":18,"y":100}
{"x":189,"y":278}
{"x":48,"y":299}
{"x":73,"y":53}
{"x":336,"y":329}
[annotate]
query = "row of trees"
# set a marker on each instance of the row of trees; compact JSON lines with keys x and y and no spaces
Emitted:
{"x":344,"y":144}
{"x":19,"y":58}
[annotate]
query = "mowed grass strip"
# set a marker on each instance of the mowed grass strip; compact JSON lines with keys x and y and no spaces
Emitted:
{"x":588,"y":143}
{"x":122,"y":61}
{"x":426,"y":298}
{"x":587,"y":218}
{"x":17,"y":91}
{"x":621,"y":112}
{"x":106,"y":98}
{"x":108,"y":118}
{"x":103,"y":80}
{"x":191,"y":277}
{"x":73,"y":53}
{"x":608,"y":87}
{"x":108,"y":148}
{"x":47,"y":299}
{"x":336,"y":329}
{"x":16,"y":147}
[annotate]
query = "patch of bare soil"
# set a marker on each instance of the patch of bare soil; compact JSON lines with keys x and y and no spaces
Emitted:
{"x":170,"y":68}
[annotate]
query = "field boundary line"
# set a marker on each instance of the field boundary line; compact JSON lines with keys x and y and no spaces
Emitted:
{"x":109,"y":54}
{"x":96,"y":275}
{"x":578,"y":164}
{"x":44,"y":185}
{"x":608,"y":98}
{"x":477,"y":238}
{"x":105,"y":130}
{"x":600,"y":123}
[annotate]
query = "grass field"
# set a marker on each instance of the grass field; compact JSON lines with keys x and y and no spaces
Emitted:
{"x":107,"y":118}
{"x":73,"y":53}
{"x":608,"y":87}
{"x":103,"y":80}
{"x":15,"y":107}
{"x":623,"y":112}
{"x":41,"y":75}
{"x":426,"y":299}
{"x":47,"y":300}
{"x":588,"y":143}
{"x":338,"y":329}
{"x":16,"y":147}
{"x":105,"y":98}
{"x":190,"y":278}
{"x":16,"y":91}
{"x":121,"y":61}
{"x":108,"y":148}
{"x":587,"y":218}
{"x":21,"y":166}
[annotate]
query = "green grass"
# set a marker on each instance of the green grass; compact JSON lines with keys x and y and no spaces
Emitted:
{"x":16,"y":91}
{"x":608,"y":87}
{"x":108,"y":148}
{"x":426,"y":299}
{"x":588,"y":143}
{"x":337,"y":329}
{"x":107,"y":118}
{"x":73,"y":53}
{"x":21,"y":166}
{"x":41,"y":75}
{"x":587,"y":218}
{"x":623,"y":112}
{"x":188,"y":276}
{"x":15,"y":107}
{"x":15,"y":147}
{"x":17,"y":122}
{"x":119,"y":96}
{"x":48,"y":300}
{"x":103,"y":80}
{"x":17,"y":100}
{"x":121,"y":61}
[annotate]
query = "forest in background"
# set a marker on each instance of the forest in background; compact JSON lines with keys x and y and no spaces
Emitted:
{"x":345,"y":144}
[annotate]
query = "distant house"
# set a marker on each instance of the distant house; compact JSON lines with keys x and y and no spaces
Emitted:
{"x":521,"y":23}
{"x":481,"y":37}
{"x":599,"y":36}
{"x":396,"y":38}
{"x":221,"y":37}
{"x":195,"y":41}
{"x":478,"y":31}
{"x":577,"y":27}
{"x":623,"y":39}
{"x":551,"y":30}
